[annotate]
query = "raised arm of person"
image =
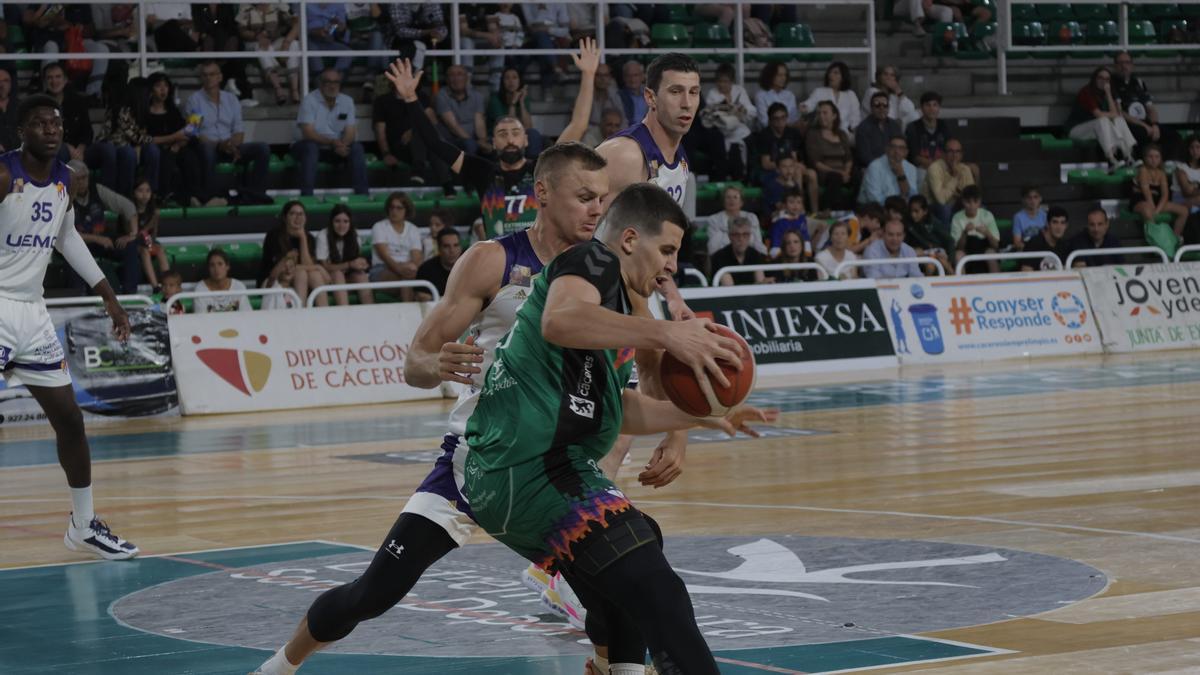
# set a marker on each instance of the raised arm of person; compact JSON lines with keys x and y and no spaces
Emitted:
{"x":436,"y":355}
{"x":588,"y":60}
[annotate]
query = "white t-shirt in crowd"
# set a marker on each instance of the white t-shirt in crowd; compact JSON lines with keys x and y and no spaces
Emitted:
{"x":825,"y":259}
{"x":400,"y":244}
{"x":221,"y":303}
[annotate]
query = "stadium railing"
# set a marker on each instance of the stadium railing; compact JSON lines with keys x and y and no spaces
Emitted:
{"x":329,"y":288}
{"x":837,"y":271}
{"x":1190,"y":248}
{"x":97,"y":300}
{"x":981,"y":257}
{"x":192,"y":295}
{"x":770,"y":267}
{"x":1121,"y":250}
{"x":693,"y":273}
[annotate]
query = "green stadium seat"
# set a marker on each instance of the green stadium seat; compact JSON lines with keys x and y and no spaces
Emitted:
{"x":680,"y":14}
{"x":1142,"y":32}
{"x":279,"y":164}
{"x":669,"y":35}
{"x":949,"y":37}
{"x":713,"y":36}
{"x":1177,"y":26}
{"x":16,"y":35}
{"x":226,"y":167}
{"x":187,"y":254}
{"x":310,"y":201}
{"x":1055,"y":12}
{"x":1164,"y":10}
{"x":1089,"y":12}
{"x":980,"y":45}
{"x":258,"y":210}
{"x":207,"y":211}
{"x":1024,"y":13}
{"x":1103,"y":32}
{"x":171,"y":213}
{"x":798,"y":36}
{"x":361,"y":24}
{"x":1029,"y":33}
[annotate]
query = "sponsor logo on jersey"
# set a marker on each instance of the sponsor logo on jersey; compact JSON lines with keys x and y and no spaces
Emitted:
{"x":30,"y":241}
{"x":582,"y":406}
{"x":5,"y":353}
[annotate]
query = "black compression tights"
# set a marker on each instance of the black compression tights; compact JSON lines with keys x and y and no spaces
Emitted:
{"x":387,"y":580}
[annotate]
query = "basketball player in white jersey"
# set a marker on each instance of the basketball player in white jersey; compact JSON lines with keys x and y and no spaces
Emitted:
{"x":35,"y":220}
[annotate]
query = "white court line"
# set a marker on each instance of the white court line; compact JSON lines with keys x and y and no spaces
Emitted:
{"x":172,"y":555}
{"x":986,"y":651}
{"x":931,"y":516}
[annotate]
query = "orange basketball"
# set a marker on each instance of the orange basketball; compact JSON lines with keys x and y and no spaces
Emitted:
{"x":684,"y":390}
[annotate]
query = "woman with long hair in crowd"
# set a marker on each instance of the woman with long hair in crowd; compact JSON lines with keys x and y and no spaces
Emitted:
{"x":166,"y":153}
{"x":339,"y":253}
{"x":287,"y":257}
{"x":838,"y":89}
{"x":216,"y":281}
{"x":830,"y":154}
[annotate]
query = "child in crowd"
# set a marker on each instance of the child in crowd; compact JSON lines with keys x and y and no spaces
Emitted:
{"x":148,"y":246}
{"x":439,"y":219}
{"x":870,"y":227}
{"x":926,"y":234}
{"x":1030,"y":220}
{"x":172,"y":285}
{"x":790,"y":218}
{"x":974,"y":230}
{"x":789,"y":175}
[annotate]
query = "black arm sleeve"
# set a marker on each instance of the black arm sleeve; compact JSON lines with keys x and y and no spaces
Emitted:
{"x":423,"y":128}
{"x":597,"y":264}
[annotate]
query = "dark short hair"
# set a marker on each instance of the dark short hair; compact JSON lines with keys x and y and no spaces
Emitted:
{"x":673,"y":61}
{"x":727,"y":70}
{"x":930,"y":96}
{"x":170,"y":274}
{"x":644,"y":207}
{"x":918,"y":199}
{"x":972,"y":192}
{"x":894,"y":137}
{"x":216,"y":253}
{"x":880,"y":94}
{"x":555,"y":159}
{"x":447,"y":232}
{"x":1098,"y":209}
{"x":898,"y":221}
{"x":410,"y":209}
{"x":869,"y":210}
{"x":29,"y":104}
{"x":1057,"y":212}
{"x":1027,"y":190}
{"x":793,"y":192}
{"x":52,"y":65}
{"x":776,"y":107}
{"x":895,"y":203}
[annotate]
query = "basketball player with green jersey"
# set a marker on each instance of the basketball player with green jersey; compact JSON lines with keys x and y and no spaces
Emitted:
{"x":553,"y":402}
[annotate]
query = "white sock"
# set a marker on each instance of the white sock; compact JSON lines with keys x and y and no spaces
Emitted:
{"x":278,"y":665}
{"x":627,"y":669}
{"x":81,"y":506}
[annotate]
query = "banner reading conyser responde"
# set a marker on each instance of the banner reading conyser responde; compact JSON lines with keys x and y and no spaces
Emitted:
{"x":989,"y":316}
{"x":793,"y":328}
{"x":247,"y":361}
{"x":1146,"y":307}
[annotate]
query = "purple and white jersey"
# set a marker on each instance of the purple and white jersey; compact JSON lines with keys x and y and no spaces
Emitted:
{"x":32,"y":218}
{"x":670,"y":176}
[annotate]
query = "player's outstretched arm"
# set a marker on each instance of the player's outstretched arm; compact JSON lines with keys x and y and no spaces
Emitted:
{"x":405,"y":81}
{"x":644,"y":415}
{"x":588,"y":61}
{"x":436,"y":355}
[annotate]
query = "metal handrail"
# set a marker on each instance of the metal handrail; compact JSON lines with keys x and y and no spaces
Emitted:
{"x":696,"y":274}
{"x":768,"y":267}
{"x":97,"y":300}
{"x":1186,"y":249}
{"x":1121,"y":250}
{"x":837,"y":271}
{"x":978,"y":257}
{"x":416,"y":283}
{"x":189,"y":295}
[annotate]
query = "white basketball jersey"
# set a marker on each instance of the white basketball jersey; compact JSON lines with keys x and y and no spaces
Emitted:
{"x":670,"y":176}
{"x":32,"y":218}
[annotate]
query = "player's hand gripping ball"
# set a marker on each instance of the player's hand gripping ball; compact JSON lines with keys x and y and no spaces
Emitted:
{"x":686,"y":392}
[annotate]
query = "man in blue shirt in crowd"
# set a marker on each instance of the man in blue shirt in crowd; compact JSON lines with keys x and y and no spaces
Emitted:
{"x":221,"y":136}
{"x":890,"y":175}
{"x":891,"y":245}
{"x":326,"y":130}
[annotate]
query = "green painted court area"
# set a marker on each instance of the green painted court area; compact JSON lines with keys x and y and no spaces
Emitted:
{"x":58,"y":621}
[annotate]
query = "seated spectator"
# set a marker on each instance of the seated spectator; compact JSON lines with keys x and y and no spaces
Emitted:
{"x":436,"y":270}
{"x":271,"y":27}
{"x":396,"y":141}
{"x":328,"y":30}
{"x":171,"y":25}
{"x":221,"y":135}
{"x":172,"y":285}
{"x":326,"y":130}
{"x":610,"y":123}
{"x":900,"y":107}
{"x":338,"y":252}
{"x":9,"y":140}
{"x":1095,"y":236}
{"x":89,"y":201}
{"x":115,"y":149}
{"x":287,"y":256}
{"x":116,"y":26}
{"x":632,"y":91}
{"x":927,"y":136}
{"x":461,"y":111}
{"x":920,"y":10}
{"x":828,"y":148}
{"x":890,"y":175}
{"x":974,"y":231}
{"x":838,"y":252}
{"x":216,"y":22}
{"x":1050,"y":239}
{"x":509,"y":101}
{"x":872,"y":134}
{"x":795,"y":247}
{"x":164,"y":158}
{"x":47,"y":27}
{"x":548,"y":27}
{"x":411,"y":27}
{"x":439,"y":219}
{"x":946,"y":179}
{"x":1030,"y":220}
{"x":77,"y":132}
{"x":1096,"y":115}
{"x":790,"y":174}
{"x":729,"y":109}
{"x":927,"y":235}
{"x":149,"y":250}
{"x":775,"y":142}
{"x":839,"y":90}
{"x":790,"y":219}
{"x":1152,"y":196}
{"x":720,"y":224}
{"x":396,"y":244}
{"x":216,"y":281}
{"x":772,"y":88}
{"x":739,"y":252}
{"x":606,"y":96}
{"x":479,"y":29}
{"x":1187,"y":175}
{"x":870,"y":218}
{"x":1137,"y":106}
{"x":891,"y":246}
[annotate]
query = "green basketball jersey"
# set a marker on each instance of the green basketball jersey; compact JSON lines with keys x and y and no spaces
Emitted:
{"x":539,"y":397}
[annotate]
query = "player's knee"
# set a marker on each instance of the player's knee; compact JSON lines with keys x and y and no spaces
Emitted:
{"x":66,"y":418}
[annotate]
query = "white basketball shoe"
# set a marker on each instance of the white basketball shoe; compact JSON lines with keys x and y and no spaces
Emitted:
{"x":98,"y":540}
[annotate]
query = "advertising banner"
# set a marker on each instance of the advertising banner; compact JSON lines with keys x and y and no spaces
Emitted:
{"x":1146,"y":307}
{"x":821,"y":326}
{"x":111,"y":378}
{"x":270,"y":360}
{"x":987,"y":317}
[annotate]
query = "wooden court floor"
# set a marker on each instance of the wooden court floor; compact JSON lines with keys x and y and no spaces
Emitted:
{"x":1027,"y":517}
